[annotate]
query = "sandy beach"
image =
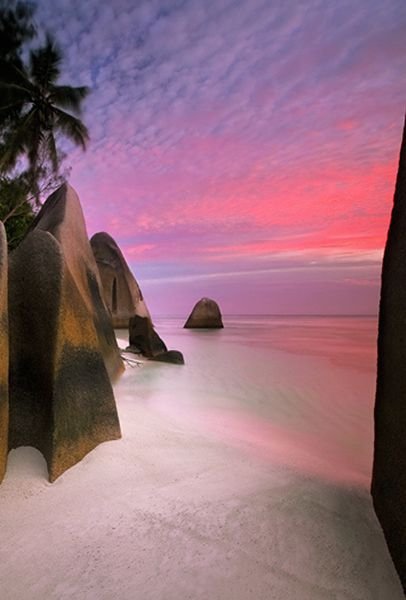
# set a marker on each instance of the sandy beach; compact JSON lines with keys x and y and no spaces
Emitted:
{"x":243,"y":474}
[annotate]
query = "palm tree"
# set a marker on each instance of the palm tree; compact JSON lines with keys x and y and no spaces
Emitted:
{"x":36,"y":107}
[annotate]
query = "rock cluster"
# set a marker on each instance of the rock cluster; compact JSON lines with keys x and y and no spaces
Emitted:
{"x":205,"y":315}
{"x":63,"y":351}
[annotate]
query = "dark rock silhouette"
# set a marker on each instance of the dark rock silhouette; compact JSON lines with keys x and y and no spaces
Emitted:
{"x":205,"y":315}
{"x":3,"y":354}
{"x":121,"y":292}
{"x":62,"y":346}
{"x":171,"y":356}
{"x":389,"y":467}
{"x":143,"y":337}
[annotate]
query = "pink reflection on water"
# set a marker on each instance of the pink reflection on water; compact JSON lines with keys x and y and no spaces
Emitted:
{"x":329,"y":459}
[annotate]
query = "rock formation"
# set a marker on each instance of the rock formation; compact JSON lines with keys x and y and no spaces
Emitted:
{"x":62,"y":217}
{"x":143,"y":337}
{"x":205,"y":315}
{"x":124,"y":299}
{"x":3,"y":354}
{"x":389,"y":468}
{"x":145,"y":340}
{"x":171,"y":356}
{"x":63,"y":350}
{"x":121,"y":292}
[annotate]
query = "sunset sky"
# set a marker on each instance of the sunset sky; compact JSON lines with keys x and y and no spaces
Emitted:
{"x":244,"y":150}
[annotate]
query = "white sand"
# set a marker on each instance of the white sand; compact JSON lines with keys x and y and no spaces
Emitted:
{"x":241,"y":475}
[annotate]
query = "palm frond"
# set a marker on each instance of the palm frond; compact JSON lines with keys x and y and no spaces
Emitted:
{"x":45,"y":63}
{"x":34,"y":110}
{"x":18,"y":140}
{"x":10,"y":73}
{"x":66,"y":96}
{"x":71,"y":127}
{"x":12,"y":95}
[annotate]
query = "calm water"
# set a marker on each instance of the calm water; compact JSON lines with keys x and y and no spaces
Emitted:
{"x":243,"y":474}
{"x":275,"y":416}
{"x":349,"y":341}
{"x":293,"y":391}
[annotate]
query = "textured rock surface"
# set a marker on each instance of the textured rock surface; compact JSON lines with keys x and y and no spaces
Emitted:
{"x":205,"y":314}
{"x":62,"y":216}
{"x":171,"y":356}
{"x":3,"y":354}
{"x":62,"y":346}
{"x":121,"y":292}
{"x":389,"y":468}
{"x":144,"y":338}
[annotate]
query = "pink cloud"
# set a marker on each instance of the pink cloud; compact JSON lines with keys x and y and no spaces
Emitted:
{"x":226,"y":133}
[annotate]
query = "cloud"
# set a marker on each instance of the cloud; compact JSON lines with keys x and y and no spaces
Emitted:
{"x":233,"y":129}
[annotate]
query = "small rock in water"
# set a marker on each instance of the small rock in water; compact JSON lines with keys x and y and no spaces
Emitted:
{"x":205,"y":315}
{"x":144,"y":338}
{"x":171,"y":356}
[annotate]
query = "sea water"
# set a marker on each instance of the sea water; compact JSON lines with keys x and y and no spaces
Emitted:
{"x":348,"y":340}
{"x":293,"y":390}
{"x":265,"y":437}
{"x":243,"y":474}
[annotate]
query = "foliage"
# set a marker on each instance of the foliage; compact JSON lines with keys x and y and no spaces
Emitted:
{"x":42,"y":104}
{"x":16,"y":29}
{"x":35,"y":112}
{"x":16,"y":211}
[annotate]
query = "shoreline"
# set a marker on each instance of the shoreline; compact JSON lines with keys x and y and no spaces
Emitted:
{"x":201,"y":498}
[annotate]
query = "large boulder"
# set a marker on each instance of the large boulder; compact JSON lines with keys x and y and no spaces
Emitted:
{"x":63,"y":350}
{"x":3,"y":354}
{"x":205,"y":315}
{"x":121,"y":292}
{"x":62,"y":217}
{"x":389,"y":466}
{"x":143,"y":338}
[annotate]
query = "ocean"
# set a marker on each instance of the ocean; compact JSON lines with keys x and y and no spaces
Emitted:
{"x":296,"y":390}
{"x":273,"y":422}
{"x":243,"y":474}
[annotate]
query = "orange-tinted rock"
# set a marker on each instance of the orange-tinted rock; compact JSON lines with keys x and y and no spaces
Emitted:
{"x":121,"y":292}
{"x":205,"y":315}
{"x":62,"y":216}
{"x":62,"y":347}
{"x":3,"y":354}
{"x":389,"y":467}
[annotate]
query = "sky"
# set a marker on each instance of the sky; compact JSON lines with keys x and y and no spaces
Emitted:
{"x":243,"y":150}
